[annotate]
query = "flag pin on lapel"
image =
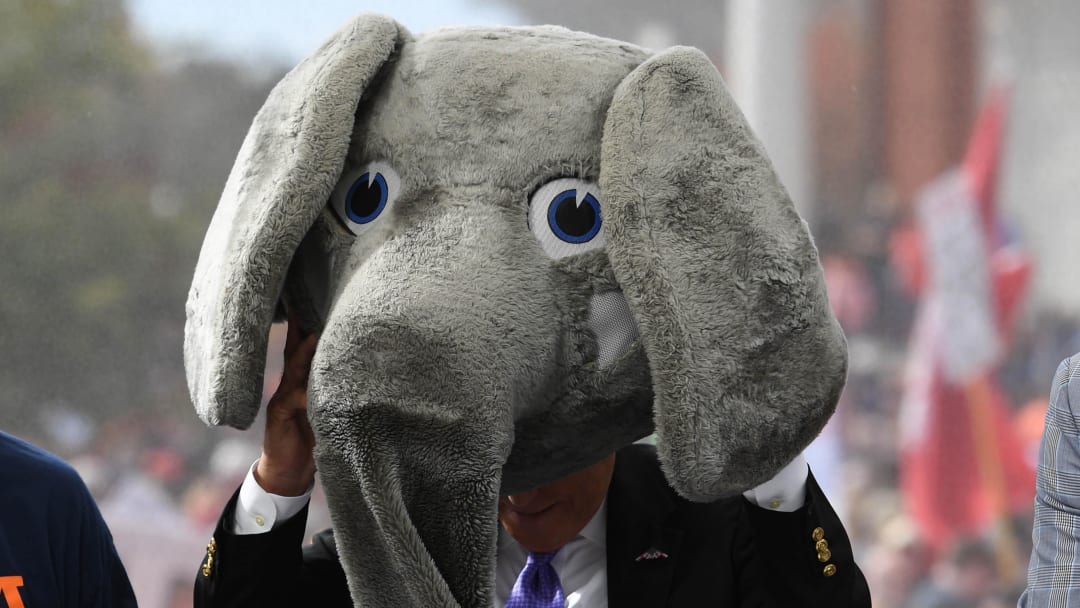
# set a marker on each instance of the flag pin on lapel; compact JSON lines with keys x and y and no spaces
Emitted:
{"x":651,"y":553}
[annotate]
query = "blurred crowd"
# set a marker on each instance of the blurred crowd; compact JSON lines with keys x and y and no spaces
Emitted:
{"x":161,"y":481}
{"x":978,"y":569}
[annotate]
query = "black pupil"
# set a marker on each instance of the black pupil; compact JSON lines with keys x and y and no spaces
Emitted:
{"x":366,"y":197}
{"x":574,"y":219}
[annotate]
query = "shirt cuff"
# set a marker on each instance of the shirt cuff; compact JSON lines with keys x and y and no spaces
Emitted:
{"x":258,"y":511}
{"x":786,"y":491}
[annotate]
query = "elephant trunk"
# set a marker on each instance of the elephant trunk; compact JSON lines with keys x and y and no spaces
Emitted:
{"x":416,"y":433}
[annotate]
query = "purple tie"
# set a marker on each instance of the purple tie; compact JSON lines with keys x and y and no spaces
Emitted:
{"x":538,"y":585}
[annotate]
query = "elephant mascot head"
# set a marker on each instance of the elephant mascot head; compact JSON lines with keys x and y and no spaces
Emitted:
{"x":523,"y":248}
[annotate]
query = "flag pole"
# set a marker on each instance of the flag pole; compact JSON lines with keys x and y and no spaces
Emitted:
{"x":992,"y":474}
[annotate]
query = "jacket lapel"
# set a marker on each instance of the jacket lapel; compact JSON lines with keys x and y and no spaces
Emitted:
{"x":641,"y":550}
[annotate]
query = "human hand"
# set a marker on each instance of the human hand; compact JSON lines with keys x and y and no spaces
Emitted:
{"x":287,"y":464}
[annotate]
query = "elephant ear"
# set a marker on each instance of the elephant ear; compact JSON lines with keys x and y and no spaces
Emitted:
{"x":284,"y":174}
{"x":722,"y":276}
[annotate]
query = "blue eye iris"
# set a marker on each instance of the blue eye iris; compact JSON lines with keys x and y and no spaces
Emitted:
{"x":366,"y":198}
{"x":572,"y":222}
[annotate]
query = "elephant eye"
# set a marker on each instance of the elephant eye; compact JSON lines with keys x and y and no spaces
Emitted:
{"x":363,"y":195}
{"x":564,"y":215}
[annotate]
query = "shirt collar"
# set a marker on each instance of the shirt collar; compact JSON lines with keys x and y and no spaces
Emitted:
{"x":596,"y":529}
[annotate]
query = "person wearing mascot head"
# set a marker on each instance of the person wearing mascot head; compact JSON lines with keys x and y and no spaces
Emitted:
{"x":522,"y":250}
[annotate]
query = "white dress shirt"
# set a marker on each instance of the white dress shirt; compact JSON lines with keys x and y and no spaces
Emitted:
{"x":581,"y":564}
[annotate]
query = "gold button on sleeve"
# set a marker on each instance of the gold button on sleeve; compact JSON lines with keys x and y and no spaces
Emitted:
{"x":822,"y":545}
{"x":260,"y":521}
{"x":829,"y":570}
{"x":211,"y":549}
{"x":818,"y":534}
{"x":824,"y":556}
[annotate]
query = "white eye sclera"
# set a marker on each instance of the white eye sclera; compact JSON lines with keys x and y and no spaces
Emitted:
{"x":363,"y":195}
{"x":564,"y":215}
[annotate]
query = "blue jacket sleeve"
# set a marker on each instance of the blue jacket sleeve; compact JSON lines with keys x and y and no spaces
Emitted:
{"x":103,"y":582}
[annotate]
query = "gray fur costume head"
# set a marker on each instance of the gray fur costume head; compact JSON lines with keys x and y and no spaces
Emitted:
{"x":523,"y":248}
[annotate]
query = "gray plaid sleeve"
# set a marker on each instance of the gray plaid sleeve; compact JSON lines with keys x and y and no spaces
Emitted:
{"x":1054,"y":572}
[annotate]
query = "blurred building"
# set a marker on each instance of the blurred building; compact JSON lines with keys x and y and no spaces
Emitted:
{"x":861,"y":102}
{"x":1034,"y":46}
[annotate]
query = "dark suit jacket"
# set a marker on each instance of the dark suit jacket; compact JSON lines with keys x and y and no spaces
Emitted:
{"x":662,"y":550}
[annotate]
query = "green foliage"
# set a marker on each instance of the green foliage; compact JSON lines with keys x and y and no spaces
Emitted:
{"x":110,"y":167}
{"x":66,"y":52}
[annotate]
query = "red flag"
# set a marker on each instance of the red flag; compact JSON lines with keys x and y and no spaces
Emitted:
{"x":961,"y":464}
{"x":946,"y":491}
